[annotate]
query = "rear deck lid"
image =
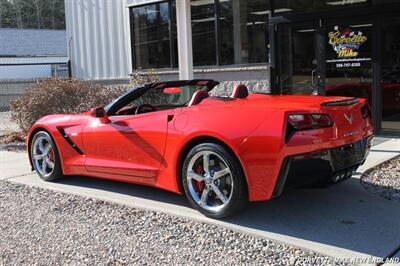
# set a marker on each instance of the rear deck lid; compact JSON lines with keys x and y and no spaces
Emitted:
{"x":346,"y":115}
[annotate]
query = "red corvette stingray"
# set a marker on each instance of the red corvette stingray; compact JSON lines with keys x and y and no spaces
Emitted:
{"x":220,"y":151}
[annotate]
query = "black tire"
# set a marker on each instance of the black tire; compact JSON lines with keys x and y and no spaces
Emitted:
{"x":239,"y":193}
{"x":56,"y":172}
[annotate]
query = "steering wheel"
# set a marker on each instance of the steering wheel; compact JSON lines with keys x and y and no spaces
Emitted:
{"x":142,"y":108}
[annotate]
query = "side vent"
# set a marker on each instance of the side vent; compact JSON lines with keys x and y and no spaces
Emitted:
{"x":70,"y":142}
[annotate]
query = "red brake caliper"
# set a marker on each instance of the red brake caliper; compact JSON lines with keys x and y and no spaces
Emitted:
{"x":199,"y":184}
{"x":51,"y":156}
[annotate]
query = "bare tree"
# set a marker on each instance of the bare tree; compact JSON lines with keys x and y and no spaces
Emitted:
{"x":17,"y":6}
{"x":53,"y":11}
{"x":1,"y":13}
{"x":32,"y":14}
{"x":38,"y":10}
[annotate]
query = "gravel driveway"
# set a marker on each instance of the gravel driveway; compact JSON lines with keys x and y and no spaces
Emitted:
{"x":44,"y":227}
{"x":384,"y":179}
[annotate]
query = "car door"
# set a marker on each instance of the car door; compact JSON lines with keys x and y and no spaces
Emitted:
{"x":130,"y":145}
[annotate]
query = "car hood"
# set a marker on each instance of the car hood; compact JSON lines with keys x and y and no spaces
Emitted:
{"x":62,"y":119}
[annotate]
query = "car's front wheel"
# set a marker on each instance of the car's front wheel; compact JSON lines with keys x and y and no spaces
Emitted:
{"x":45,"y":157}
{"x":214,"y":181}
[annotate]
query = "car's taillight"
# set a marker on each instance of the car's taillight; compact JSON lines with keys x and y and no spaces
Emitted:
{"x":298,"y":122}
{"x":365,"y":111}
{"x":309,"y":121}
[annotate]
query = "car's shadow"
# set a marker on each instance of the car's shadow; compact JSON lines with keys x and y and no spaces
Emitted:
{"x":135,"y":190}
{"x":346,"y":215}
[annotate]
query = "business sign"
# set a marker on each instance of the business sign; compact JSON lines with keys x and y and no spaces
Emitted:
{"x":347,"y":47}
{"x":346,"y":43}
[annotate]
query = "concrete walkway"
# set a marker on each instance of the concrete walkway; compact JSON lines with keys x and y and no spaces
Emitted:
{"x":341,"y":221}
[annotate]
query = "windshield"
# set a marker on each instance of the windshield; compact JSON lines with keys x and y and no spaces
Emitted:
{"x":158,"y":97}
{"x":164,"y":97}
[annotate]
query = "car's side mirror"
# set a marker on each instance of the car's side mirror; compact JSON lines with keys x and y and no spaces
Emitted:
{"x":99,"y":112}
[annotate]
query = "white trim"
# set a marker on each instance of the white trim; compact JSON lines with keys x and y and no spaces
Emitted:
{"x":34,"y":60}
{"x":212,"y":69}
{"x":131,"y":3}
{"x":184,"y":32}
{"x":128,"y":41}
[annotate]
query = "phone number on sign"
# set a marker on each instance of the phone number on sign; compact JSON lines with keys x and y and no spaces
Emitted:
{"x":355,"y":64}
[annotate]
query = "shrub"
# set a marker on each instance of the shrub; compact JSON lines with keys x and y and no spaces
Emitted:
{"x":65,"y":96}
{"x":59,"y":96}
{"x":138,"y":77}
{"x":12,"y":137}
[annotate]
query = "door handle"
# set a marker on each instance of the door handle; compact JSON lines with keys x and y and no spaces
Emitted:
{"x":170,"y":117}
{"x":312,"y":77}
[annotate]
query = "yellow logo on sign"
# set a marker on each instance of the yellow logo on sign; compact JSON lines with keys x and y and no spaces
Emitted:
{"x":347,"y":43}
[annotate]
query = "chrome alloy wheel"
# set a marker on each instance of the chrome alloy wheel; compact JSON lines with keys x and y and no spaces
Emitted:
{"x":210,"y":181}
{"x":43,"y":156}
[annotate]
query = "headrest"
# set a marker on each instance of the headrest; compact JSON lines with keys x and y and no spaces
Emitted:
{"x":197,"y":97}
{"x":240,"y":92}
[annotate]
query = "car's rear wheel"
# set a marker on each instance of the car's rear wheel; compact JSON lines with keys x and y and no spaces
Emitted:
{"x":213,"y":180}
{"x":45,"y":157}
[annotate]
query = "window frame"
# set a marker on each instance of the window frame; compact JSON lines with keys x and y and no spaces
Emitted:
{"x":270,"y":5}
{"x":171,"y":33}
{"x":171,"y":20}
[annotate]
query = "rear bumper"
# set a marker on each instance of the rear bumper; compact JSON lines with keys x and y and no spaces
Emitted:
{"x":327,"y":166}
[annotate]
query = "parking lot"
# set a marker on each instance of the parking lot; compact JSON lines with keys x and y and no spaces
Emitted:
{"x":340,"y":221}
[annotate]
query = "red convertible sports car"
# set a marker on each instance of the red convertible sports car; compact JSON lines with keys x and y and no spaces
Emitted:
{"x":220,"y":151}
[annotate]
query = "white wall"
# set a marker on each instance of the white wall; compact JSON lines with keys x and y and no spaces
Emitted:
{"x":25,"y":72}
{"x":25,"y":68}
{"x":98,"y":38}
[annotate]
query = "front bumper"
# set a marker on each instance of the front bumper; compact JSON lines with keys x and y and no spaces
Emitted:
{"x":322,"y":167}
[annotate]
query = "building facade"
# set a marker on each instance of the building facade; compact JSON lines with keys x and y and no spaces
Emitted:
{"x":27,"y":55}
{"x":326,"y":47}
{"x":32,"y":53}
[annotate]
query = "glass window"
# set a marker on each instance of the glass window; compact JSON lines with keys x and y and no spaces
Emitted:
{"x":174,"y":96}
{"x":297,"y":6}
{"x":297,"y":51}
{"x":244,"y":31}
{"x":158,"y":98}
{"x":349,"y":59}
{"x":242,"y":35}
{"x":390,"y":82}
{"x":174,"y":49}
{"x":203,"y":32}
{"x":151,"y":36}
{"x":226,"y":32}
{"x":382,"y":2}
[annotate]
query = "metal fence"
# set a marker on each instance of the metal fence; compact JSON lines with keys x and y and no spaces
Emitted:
{"x":15,"y":78}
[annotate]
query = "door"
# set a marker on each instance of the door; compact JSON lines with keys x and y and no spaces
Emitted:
{"x":390,"y":71}
{"x":131,"y":145}
{"x":325,"y":57}
{"x":300,"y":56}
{"x":348,"y":64}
